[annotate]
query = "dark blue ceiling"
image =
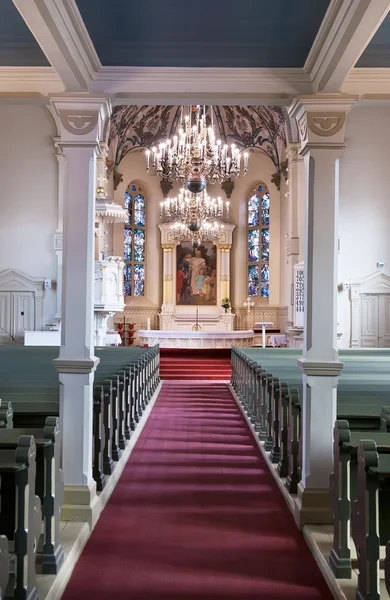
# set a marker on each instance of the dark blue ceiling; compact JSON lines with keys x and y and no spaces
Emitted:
{"x":203,"y":33}
{"x":18,"y":47}
{"x":377,"y":53}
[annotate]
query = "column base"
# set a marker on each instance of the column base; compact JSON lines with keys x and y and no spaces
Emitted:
{"x":81,"y":504}
{"x":312,"y":506}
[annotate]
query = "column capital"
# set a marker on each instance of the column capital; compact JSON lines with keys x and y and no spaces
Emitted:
{"x":81,"y":118}
{"x":321,"y":119}
{"x":292,"y":152}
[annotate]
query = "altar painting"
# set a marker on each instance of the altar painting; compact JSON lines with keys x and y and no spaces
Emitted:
{"x":196,"y":274}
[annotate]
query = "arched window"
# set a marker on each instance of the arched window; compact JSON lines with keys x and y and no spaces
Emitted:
{"x":134,"y":241}
{"x":258,"y":220}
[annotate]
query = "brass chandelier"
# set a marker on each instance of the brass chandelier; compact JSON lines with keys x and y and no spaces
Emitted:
{"x":195,"y":157}
{"x":188,"y":207}
{"x":208,"y":231}
{"x":195,"y":217}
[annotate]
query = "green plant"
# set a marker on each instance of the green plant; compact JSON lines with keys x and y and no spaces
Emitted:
{"x":225,"y":303}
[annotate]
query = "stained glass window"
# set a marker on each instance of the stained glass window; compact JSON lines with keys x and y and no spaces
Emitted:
{"x":134,"y":251}
{"x":258,"y":211}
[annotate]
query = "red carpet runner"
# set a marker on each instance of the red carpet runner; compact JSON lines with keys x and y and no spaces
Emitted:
{"x":196,"y":514}
{"x":183,"y":363}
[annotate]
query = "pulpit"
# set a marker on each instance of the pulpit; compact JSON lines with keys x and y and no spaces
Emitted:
{"x":108,"y":297}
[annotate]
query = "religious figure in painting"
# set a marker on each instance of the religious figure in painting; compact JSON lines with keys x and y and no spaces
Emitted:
{"x":196,"y":281}
{"x":206,"y":286}
{"x":200,"y":281}
{"x":198,"y":265}
{"x":180,"y":276}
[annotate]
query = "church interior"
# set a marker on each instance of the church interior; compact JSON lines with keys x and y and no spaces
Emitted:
{"x":194,"y":300}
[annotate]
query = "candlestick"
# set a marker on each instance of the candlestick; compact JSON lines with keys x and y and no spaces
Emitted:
{"x":148,"y":323}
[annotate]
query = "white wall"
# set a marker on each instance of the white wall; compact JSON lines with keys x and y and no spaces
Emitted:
{"x":28,"y":199}
{"x":364,"y":201}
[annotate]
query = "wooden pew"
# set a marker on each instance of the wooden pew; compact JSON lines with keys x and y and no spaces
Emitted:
{"x":363,"y":398}
{"x":20,"y":515}
{"x":274,"y":430}
{"x":343,"y":490}
{"x":28,"y":380}
{"x":370,"y":517}
{"x":4,"y":565}
{"x":49,"y":485}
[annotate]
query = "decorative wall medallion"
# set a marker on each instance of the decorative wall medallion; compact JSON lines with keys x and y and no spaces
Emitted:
{"x":58,"y":241}
{"x":326,"y":124}
{"x":302,"y":127}
{"x":79,"y":122}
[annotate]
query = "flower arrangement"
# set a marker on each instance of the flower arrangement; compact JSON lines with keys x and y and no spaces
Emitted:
{"x":225,"y":304}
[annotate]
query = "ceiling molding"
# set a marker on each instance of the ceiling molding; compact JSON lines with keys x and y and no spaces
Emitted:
{"x":346,"y":30}
{"x":60,"y":31}
{"x":367,"y":82}
{"x":30,"y":80}
{"x":142,"y":86}
{"x":178,"y":82}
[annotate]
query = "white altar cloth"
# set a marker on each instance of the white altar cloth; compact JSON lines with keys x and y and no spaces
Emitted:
{"x":278,"y":340}
{"x":112,"y":339}
{"x":195,"y":339}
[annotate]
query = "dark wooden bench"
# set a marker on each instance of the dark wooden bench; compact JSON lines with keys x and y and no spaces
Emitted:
{"x":370,"y":523}
{"x":20,"y":516}
{"x":49,"y":485}
{"x":343,"y":489}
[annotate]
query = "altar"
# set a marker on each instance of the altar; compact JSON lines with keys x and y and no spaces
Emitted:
{"x":195,"y":339}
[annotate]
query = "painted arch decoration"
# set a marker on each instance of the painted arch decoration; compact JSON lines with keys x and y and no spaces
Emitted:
{"x":262,"y":128}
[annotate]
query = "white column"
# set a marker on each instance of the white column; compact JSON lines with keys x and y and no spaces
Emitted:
{"x":58,"y":236}
{"x":321,"y":122}
{"x":81,"y":120}
{"x":295,"y":201}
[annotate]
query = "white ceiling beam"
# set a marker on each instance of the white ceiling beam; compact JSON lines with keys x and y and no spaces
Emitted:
{"x":345,"y":32}
{"x":151,"y":85}
{"x":60,"y":31}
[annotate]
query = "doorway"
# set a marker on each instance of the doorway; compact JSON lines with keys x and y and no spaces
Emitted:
{"x":375,"y":320}
{"x":17,"y":315}
{"x":21,"y":305}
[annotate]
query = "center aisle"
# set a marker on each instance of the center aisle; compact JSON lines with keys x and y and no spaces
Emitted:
{"x":196,"y":514}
